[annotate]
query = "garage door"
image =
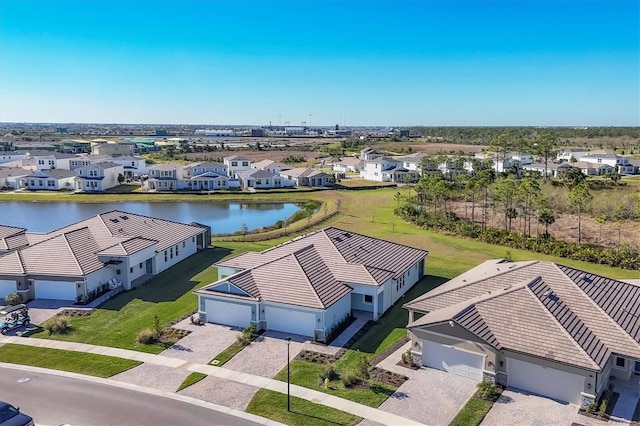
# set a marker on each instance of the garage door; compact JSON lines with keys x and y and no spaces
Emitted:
{"x":59,"y":290}
{"x":288,"y":321}
{"x":6,"y":287}
{"x":548,"y":382}
{"x":456,"y":361}
{"x":228,"y":313}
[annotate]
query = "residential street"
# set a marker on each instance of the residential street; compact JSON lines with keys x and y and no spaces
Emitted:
{"x":54,"y":400}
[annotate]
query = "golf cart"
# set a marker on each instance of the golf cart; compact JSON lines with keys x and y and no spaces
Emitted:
{"x":13,"y":316}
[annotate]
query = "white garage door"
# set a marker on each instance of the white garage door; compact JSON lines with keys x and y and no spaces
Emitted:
{"x":548,"y":382}
{"x":287,"y":321}
{"x":6,"y":287}
{"x":456,"y":361}
{"x":228,"y":313}
{"x":59,"y":290}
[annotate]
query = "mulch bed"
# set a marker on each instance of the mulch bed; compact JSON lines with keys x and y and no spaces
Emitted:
{"x":387,"y":377}
{"x":316,"y":357}
{"x":76,"y":312}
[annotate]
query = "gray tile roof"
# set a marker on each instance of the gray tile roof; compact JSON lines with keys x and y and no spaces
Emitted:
{"x":540,"y":308}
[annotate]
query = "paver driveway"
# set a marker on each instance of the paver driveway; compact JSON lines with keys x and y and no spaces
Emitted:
{"x":203,"y":343}
{"x":521,"y":408}
{"x":430,"y":396}
{"x":267,"y":355}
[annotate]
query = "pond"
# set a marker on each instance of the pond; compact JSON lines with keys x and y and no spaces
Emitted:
{"x":223,"y":217}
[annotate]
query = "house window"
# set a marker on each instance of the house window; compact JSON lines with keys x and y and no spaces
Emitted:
{"x":234,"y":164}
{"x":117,"y":271}
{"x":620,"y":362}
{"x":193,"y":239}
{"x":131,"y":270}
{"x":245,"y":164}
{"x":184,"y":244}
{"x":368,"y":299}
{"x":140,"y":265}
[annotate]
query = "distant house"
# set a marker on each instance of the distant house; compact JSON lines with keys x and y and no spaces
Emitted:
{"x":369,"y":153}
{"x":271,"y":166}
{"x":195,"y":169}
{"x":348,"y":165}
{"x":261,"y":179}
{"x":10,"y":177}
{"x":308,"y":285}
{"x":10,"y":156}
{"x":569,"y":153}
{"x":114,"y":149}
{"x":52,"y":160}
{"x":134,"y":166}
{"x":99,"y":177}
{"x":111,"y":248}
{"x":211,"y":181}
{"x":594,"y":169}
{"x":304,"y":176}
{"x":553,"y":169}
{"x":49,"y":180}
{"x":166,"y":177}
{"x":387,"y":169}
{"x":236,"y":164}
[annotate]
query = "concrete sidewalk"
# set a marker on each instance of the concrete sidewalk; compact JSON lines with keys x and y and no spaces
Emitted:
{"x":314,"y":396}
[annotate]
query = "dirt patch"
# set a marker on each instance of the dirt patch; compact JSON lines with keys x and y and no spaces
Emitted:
{"x":565,"y":227}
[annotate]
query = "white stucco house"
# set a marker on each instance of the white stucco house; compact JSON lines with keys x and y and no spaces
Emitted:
{"x":236,"y":164}
{"x":309,"y":284}
{"x":49,"y":180}
{"x":271,"y":166}
{"x":537,"y":326}
{"x":166,"y":177}
{"x":115,"y":247}
{"x":11,"y":176}
{"x":99,"y":177}
{"x":261,"y":179}
{"x":305,"y":176}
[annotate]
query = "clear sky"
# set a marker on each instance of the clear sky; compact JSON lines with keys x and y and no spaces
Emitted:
{"x":396,"y":63}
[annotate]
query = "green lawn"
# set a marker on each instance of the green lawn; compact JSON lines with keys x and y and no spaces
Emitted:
{"x":306,"y":374}
{"x":56,"y":359}
{"x":472,"y":413}
{"x":117,"y":322}
{"x":273,"y":405}
{"x":191,"y":379}
{"x":227,"y":354}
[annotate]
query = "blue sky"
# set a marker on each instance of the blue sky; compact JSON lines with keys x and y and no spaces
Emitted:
{"x":397,"y":63}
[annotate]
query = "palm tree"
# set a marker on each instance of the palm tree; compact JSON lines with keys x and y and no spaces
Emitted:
{"x":546,"y":218}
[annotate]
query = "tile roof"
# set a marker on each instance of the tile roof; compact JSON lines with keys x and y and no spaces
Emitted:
{"x":256,"y":173}
{"x":314,"y":270}
{"x":77,"y":247}
{"x":540,"y":308}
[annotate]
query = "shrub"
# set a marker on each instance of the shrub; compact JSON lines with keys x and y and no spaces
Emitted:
{"x":243,"y":339}
{"x":591,"y":407}
{"x":57,"y":324}
{"x":407,"y":357}
{"x":250,"y":331}
{"x":146,"y":337}
{"x":14,"y":298}
{"x":362,"y":367}
{"x":329,"y":372}
{"x":348,"y":378}
{"x":486,"y":389}
{"x":603,"y":408}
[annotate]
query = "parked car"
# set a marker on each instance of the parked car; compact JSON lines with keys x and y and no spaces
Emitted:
{"x":11,"y":416}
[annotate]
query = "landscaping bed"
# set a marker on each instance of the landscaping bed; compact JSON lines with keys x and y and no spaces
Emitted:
{"x":387,"y":377}
{"x":477,"y":407}
{"x":76,"y":312}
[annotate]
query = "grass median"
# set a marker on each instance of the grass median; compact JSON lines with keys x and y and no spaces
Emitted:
{"x":56,"y":359}
{"x":273,"y":405}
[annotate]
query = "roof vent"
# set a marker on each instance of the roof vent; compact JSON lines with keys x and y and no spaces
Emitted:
{"x":124,"y":217}
{"x":114,"y":220}
{"x":547,"y":293}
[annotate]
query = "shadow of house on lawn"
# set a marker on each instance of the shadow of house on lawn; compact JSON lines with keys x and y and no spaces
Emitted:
{"x":172,"y":283}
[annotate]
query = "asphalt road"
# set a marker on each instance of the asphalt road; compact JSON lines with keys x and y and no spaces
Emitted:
{"x":55,"y":400}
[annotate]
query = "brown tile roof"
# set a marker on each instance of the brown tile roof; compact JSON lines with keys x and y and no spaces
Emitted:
{"x":540,"y":308}
{"x":77,"y":246}
{"x":10,"y":263}
{"x":299,"y":279}
{"x":347,"y":254}
{"x":7,"y":232}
